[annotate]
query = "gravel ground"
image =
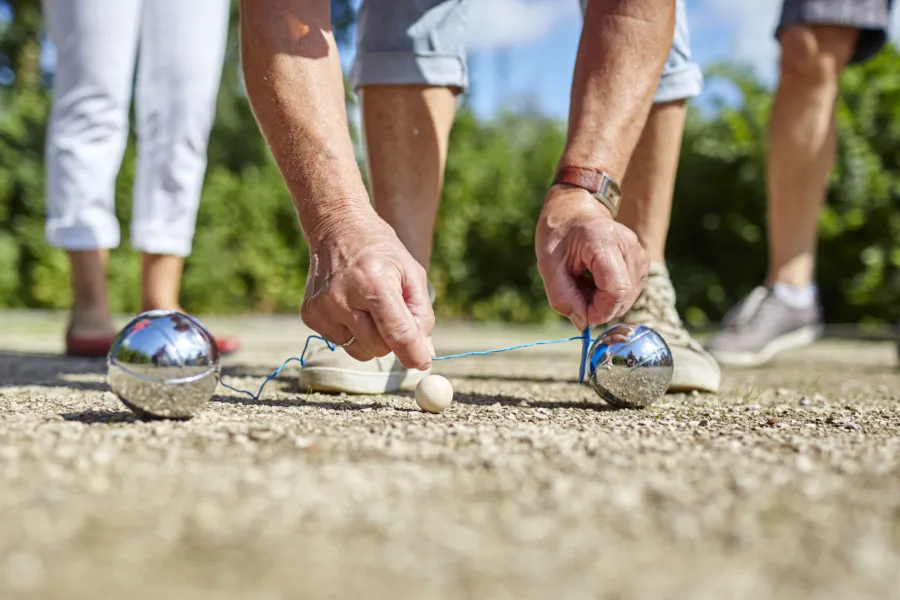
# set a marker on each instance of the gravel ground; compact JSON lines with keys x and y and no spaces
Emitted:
{"x":785,"y":485}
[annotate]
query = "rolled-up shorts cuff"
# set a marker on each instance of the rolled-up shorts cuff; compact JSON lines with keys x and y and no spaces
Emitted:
{"x":159,"y":241}
{"x":681,"y":83}
{"x":81,"y":237}
{"x":409,"y":68}
{"x":682,"y":78}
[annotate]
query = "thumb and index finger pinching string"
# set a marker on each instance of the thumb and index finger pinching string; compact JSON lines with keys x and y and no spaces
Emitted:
{"x":585,"y":339}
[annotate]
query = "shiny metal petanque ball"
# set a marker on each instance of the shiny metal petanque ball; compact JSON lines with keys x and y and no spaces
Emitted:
{"x":630,"y":366}
{"x":164,"y":364}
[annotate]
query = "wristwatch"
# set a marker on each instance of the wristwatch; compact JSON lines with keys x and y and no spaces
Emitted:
{"x":598,"y":183}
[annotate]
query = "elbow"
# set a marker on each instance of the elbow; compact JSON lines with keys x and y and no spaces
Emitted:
{"x":273,"y":28}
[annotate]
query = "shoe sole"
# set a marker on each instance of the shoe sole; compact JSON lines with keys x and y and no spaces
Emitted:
{"x":333,"y":380}
{"x":698,"y":373}
{"x":790,"y":341}
{"x":694,"y":380}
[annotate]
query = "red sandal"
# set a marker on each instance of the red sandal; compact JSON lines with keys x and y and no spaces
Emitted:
{"x":227,"y":345}
{"x":90,"y":346}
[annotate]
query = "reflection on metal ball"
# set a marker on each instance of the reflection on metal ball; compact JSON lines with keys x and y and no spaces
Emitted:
{"x":163,"y":364}
{"x":630,"y":366}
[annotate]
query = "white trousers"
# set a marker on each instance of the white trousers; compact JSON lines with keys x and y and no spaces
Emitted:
{"x":178,"y":48}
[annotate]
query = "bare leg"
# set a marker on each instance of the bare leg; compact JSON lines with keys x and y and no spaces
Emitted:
{"x":160,"y":281}
{"x":407,"y":130}
{"x":802,"y":143}
{"x":90,"y":309}
{"x":650,"y":180}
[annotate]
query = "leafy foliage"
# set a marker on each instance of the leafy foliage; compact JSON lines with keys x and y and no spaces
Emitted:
{"x":717,"y":244}
{"x":249,"y":254}
{"x":497,"y":175}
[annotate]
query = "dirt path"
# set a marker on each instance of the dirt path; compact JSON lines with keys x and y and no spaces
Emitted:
{"x":786,"y":485}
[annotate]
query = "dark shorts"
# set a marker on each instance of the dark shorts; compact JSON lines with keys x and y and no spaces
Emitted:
{"x":871,"y":17}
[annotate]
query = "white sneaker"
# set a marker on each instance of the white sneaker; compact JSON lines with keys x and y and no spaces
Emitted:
{"x":337,"y":371}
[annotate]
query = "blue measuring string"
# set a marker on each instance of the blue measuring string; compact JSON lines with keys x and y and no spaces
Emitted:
{"x":585,"y":338}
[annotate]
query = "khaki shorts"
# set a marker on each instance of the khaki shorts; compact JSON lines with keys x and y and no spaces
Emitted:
{"x":423,"y":42}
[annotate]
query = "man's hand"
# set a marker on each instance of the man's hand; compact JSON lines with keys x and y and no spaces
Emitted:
{"x":363,"y":283}
{"x":575,"y":234}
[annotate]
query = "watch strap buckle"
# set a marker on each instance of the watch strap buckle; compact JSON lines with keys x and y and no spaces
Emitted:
{"x":598,"y":184}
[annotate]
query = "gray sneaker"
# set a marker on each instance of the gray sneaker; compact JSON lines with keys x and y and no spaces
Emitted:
{"x":336,"y":371}
{"x":761,"y":326}
{"x":695,"y":369}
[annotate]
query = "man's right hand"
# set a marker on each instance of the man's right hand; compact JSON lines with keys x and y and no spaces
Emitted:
{"x":575,"y":233}
{"x":364,"y":285}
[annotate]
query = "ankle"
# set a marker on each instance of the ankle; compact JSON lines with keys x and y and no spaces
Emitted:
{"x":90,"y":321}
{"x":796,"y":296}
{"x":155,"y":304}
{"x":797,"y":273}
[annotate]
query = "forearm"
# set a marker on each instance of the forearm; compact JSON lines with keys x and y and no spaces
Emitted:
{"x":623,"y":48}
{"x":295,"y":86}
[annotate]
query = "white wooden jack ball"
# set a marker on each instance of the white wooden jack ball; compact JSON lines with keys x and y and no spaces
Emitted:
{"x":434,"y":394}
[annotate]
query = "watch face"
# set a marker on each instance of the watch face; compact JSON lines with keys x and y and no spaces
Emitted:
{"x":614,"y":193}
{"x":611,"y":191}
{"x":609,"y":194}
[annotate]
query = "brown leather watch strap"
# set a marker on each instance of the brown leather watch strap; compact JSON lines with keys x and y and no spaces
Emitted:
{"x":598,"y":183}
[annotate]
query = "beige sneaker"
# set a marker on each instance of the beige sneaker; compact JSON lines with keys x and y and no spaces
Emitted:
{"x":695,"y":369}
{"x":336,"y":371}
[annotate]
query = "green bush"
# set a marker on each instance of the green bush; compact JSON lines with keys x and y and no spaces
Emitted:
{"x":249,"y":254}
{"x":497,"y":175}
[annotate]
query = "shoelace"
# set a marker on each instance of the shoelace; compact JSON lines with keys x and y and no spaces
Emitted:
{"x":655,"y":307}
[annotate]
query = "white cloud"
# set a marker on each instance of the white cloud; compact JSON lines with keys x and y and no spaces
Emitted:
{"x":501,"y":23}
{"x":749,"y":25}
